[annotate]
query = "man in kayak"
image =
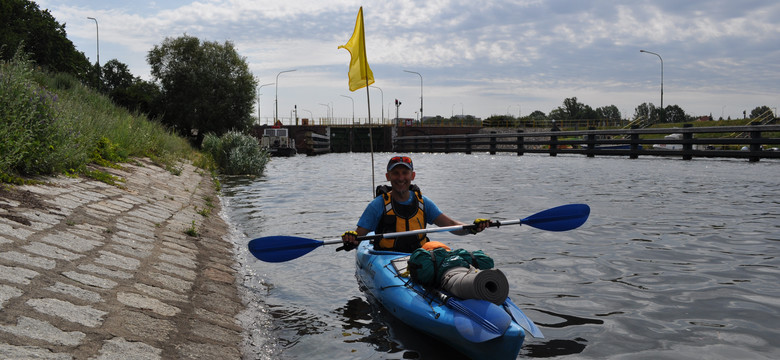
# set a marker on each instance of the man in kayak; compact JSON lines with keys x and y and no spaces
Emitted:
{"x":402,"y":207}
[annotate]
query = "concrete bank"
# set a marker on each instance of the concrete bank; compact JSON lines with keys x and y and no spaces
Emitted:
{"x":93,"y":271}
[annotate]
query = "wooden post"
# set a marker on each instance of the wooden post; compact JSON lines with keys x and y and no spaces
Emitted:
{"x":591,"y":143}
{"x":755,"y":146}
{"x":634,"y":144}
{"x":468,"y":144}
{"x":520,"y":140}
{"x":446,"y":145}
{"x":492,"y":144}
{"x":687,"y":145}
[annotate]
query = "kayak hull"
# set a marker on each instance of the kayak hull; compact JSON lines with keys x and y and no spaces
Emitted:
{"x":428,"y":313}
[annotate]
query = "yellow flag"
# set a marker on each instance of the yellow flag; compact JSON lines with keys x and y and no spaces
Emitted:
{"x":360,"y":74}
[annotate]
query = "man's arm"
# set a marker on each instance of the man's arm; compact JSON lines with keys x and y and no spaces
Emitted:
{"x":444,"y":220}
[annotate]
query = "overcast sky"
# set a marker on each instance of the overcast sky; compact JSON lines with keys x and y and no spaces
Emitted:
{"x":476,"y":57}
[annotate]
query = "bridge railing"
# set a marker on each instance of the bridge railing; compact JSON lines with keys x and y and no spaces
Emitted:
{"x":763,"y":142}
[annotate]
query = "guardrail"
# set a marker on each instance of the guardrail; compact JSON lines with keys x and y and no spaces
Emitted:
{"x":591,"y":142}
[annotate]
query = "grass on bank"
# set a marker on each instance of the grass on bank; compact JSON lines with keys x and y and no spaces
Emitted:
{"x":52,"y":124}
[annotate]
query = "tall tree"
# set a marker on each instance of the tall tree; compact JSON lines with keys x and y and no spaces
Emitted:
{"x":206,"y":86}
{"x":116,"y":75}
{"x":646,"y":111}
{"x":675,"y":114}
{"x":610,"y":113}
{"x":23,"y":23}
{"x":537,"y":115}
{"x":761,"y":110}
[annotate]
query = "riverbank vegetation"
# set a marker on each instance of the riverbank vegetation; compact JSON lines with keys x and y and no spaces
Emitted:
{"x":51,"y":123}
{"x":59,"y":114}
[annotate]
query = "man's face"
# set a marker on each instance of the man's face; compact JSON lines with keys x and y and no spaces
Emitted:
{"x":400,"y":177}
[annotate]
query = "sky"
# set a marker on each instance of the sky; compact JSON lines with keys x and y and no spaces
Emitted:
{"x":480,"y":58}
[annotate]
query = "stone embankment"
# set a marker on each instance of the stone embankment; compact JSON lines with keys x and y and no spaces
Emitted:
{"x":143,"y":270}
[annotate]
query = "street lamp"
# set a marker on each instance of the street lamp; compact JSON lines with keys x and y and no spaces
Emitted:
{"x":258,"y":99}
{"x":276,"y":99}
{"x":421,"y":92}
{"x":311,"y":116}
{"x":97,"y":38}
{"x":662,"y":80}
{"x":327,"y":114}
{"x":383,"y":102}
{"x":353,"y":107}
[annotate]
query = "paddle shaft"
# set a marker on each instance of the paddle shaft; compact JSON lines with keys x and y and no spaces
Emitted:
{"x":422,"y":231}
{"x":282,"y":248}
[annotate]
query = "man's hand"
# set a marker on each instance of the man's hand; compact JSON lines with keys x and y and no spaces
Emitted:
{"x":479,"y":225}
{"x":349,"y":238}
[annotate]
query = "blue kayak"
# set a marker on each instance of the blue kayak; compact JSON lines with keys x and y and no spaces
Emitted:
{"x":479,"y":329}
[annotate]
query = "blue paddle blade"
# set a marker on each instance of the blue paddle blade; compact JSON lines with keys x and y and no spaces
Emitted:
{"x":522,"y":320}
{"x":282,"y":248}
{"x":561,"y":218}
{"x":479,"y":320}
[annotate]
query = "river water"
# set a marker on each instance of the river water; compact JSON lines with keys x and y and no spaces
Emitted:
{"x":678,"y":260}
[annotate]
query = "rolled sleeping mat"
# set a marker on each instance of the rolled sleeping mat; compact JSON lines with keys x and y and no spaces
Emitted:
{"x":470,"y":283}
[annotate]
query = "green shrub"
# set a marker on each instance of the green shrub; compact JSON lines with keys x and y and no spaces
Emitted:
{"x":236,"y":153}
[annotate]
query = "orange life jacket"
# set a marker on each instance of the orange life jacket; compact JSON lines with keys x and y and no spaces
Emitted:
{"x":397,"y":218}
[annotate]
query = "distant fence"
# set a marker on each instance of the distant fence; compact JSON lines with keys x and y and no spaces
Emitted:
{"x":693,"y":142}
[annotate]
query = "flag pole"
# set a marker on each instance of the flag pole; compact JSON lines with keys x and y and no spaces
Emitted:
{"x":370,"y":139}
{"x":364,"y":67}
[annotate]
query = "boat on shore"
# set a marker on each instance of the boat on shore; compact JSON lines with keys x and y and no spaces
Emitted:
{"x":678,"y":146}
{"x":479,"y":329}
{"x":277,"y":142}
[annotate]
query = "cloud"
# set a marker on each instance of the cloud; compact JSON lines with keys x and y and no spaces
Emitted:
{"x":490,"y":53}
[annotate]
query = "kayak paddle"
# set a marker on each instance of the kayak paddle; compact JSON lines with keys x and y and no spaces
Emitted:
{"x":281,"y":248}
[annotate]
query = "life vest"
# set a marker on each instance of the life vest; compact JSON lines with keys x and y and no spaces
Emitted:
{"x":397,"y":218}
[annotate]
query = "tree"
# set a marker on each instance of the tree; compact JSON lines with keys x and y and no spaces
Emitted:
{"x":537,"y":115}
{"x":142,"y":96}
{"x":573,"y":110}
{"x":646,"y":111}
{"x":674,"y":114}
{"x":23,"y":23}
{"x":206,"y":86}
{"x":608,"y":115}
{"x":116,"y":75}
{"x":761,"y":110}
{"x":500,"y":121}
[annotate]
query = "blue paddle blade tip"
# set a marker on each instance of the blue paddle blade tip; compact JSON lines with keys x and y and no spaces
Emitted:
{"x":561,"y":218}
{"x":282,"y":248}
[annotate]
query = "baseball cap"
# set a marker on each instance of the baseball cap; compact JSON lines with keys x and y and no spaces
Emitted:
{"x":400,"y":160}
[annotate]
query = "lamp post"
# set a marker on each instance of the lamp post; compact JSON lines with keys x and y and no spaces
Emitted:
{"x":276,"y":99}
{"x":662,"y":80}
{"x":97,"y":38}
{"x":311,"y":116}
{"x":353,"y":107}
{"x":258,"y":99}
{"x":383,"y":102}
{"x":421,"y":93}
{"x":327,"y":114}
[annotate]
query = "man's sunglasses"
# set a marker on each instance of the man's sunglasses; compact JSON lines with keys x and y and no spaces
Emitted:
{"x":397,"y":159}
